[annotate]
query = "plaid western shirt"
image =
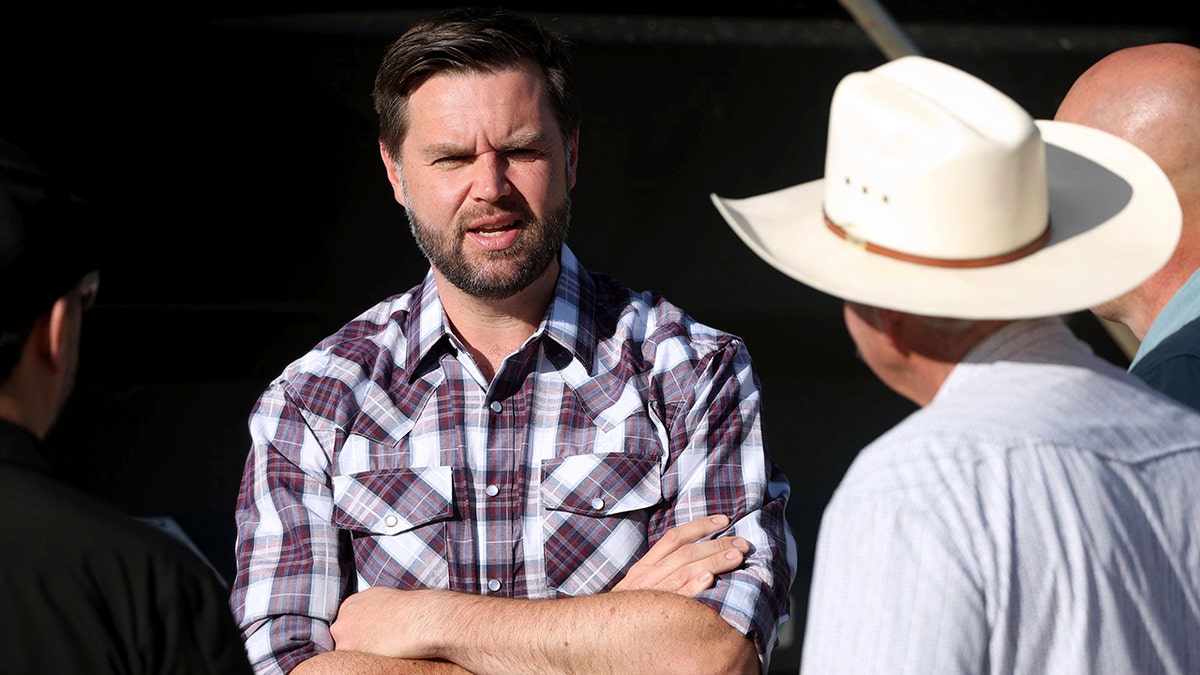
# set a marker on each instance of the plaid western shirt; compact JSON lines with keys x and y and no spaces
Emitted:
{"x":383,"y":457}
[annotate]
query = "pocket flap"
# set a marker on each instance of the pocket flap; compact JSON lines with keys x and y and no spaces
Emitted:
{"x":393,"y":500}
{"x":601,"y":484}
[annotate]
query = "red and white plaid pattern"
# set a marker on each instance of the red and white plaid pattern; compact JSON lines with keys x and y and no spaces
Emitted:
{"x":381,"y":457}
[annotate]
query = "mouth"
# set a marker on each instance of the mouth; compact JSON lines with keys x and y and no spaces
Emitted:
{"x":496,"y":233}
{"x":494,"y":229}
{"x":493,"y":221}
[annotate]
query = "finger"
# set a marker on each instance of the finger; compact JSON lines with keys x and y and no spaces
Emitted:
{"x":662,"y":566}
{"x":701,"y":550}
{"x":730,"y":554}
{"x":677,"y":573}
{"x":701,"y":575}
{"x":697,"y":585}
{"x":682,"y":535}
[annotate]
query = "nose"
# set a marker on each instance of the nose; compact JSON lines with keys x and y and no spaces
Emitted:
{"x":489,"y":180}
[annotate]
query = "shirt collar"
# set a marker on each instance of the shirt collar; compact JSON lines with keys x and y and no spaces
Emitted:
{"x":1039,"y":340}
{"x":569,"y":321}
{"x":1182,"y":308}
{"x":425,"y":327}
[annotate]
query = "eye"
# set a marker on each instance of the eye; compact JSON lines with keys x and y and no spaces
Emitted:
{"x":523,"y":154}
{"x":451,"y":161}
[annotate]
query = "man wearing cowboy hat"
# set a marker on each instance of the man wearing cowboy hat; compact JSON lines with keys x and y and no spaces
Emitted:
{"x":1038,"y":514}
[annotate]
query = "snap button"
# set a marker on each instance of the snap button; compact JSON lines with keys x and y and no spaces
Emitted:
{"x":391,"y":520}
{"x":493,"y":585}
{"x":597,"y":503}
{"x":492,"y":490}
{"x":496,"y":407}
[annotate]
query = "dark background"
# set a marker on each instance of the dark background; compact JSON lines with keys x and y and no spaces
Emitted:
{"x":232,"y":152}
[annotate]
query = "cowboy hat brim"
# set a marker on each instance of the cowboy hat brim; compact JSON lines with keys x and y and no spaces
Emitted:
{"x":1114,"y":221}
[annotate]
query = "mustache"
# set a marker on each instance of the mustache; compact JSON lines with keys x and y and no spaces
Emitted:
{"x":514,"y":209}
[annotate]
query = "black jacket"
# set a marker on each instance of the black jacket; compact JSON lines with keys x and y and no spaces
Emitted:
{"x":85,"y":588}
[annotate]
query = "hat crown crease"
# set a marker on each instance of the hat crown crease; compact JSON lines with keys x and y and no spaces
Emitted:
{"x":930,"y":162}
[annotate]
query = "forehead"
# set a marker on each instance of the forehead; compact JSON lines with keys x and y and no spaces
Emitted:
{"x":457,"y":106}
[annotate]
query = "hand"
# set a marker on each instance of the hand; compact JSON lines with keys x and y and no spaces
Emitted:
{"x":384,"y":621}
{"x":684,"y":562}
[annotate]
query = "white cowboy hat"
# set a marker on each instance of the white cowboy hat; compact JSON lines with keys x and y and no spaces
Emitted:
{"x":943,"y":197}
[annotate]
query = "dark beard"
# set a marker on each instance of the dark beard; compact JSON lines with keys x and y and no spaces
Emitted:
{"x":534,"y":251}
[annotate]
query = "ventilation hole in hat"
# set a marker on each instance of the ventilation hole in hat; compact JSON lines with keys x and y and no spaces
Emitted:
{"x":885,"y":199}
{"x":864,"y":189}
{"x":847,"y":180}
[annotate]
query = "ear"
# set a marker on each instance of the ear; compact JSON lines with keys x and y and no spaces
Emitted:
{"x":573,"y":159}
{"x":895,"y":326}
{"x":393,"y":173}
{"x":49,"y":335}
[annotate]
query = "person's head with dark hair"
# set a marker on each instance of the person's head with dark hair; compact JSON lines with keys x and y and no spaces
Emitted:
{"x":470,"y":40}
{"x":479,"y":135}
{"x":113,"y":590}
{"x":48,"y":275}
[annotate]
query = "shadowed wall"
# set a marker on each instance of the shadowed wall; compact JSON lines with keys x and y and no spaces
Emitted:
{"x":236,"y":164}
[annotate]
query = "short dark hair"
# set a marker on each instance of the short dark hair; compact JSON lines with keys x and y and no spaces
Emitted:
{"x":48,"y":243}
{"x":470,"y":39}
{"x":12,"y":343}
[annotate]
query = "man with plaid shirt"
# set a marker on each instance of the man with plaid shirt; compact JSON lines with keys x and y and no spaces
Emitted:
{"x":518,"y":464}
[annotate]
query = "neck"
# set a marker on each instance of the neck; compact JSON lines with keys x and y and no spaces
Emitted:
{"x":1141,"y":306}
{"x":923,"y":379}
{"x":934,"y":353}
{"x":27,"y":405}
{"x":492,"y":329}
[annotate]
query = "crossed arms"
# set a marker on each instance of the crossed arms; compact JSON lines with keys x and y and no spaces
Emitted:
{"x":345,"y":551}
{"x":647,"y":623}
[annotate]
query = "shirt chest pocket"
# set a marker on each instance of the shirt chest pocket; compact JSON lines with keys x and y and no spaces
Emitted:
{"x":595,"y":514}
{"x":392,"y":501}
{"x":401,"y":513}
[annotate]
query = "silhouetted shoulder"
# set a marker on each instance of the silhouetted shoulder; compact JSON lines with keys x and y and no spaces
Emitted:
{"x":92,"y":589}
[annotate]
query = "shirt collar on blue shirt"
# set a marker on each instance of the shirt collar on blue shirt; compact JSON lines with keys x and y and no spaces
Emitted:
{"x":1183,"y":307}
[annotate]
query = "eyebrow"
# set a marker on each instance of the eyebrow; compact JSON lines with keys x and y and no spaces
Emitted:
{"x":514,"y":142}
{"x":523,"y":140}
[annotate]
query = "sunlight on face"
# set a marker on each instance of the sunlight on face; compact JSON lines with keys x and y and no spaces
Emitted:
{"x":486,"y":179}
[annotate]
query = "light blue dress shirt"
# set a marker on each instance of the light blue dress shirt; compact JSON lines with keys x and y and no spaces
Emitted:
{"x":1169,"y":356}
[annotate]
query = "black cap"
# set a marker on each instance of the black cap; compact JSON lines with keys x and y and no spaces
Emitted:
{"x":47,"y":239}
